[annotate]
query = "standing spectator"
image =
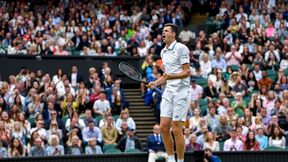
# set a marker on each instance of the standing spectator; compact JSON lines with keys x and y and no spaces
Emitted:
{"x":233,"y":144}
{"x":74,"y":78}
{"x":92,"y":148}
{"x":38,"y":149}
{"x":40,"y":129}
{"x":54,"y":147}
{"x":155,"y":145}
{"x":186,"y":36}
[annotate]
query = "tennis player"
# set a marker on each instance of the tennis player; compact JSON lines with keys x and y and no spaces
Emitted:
{"x":177,"y":95}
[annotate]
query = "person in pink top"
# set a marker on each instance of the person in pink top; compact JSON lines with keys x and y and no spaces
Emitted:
{"x":270,"y":31}
{"x":233,"y":57}
{"x":61,"y":52}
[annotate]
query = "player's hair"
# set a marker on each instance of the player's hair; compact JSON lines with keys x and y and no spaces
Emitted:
{"x":174,"y":28}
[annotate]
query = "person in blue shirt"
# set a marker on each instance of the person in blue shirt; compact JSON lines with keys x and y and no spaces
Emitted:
{"x":261,"y":138}
{"x":209,"y":157}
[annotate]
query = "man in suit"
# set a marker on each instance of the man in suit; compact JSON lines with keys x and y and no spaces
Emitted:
{"x":130,"y":141}
{"x":155,"y":145}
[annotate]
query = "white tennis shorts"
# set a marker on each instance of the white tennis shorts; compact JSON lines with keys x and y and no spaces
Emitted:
{"x":175,"y":105}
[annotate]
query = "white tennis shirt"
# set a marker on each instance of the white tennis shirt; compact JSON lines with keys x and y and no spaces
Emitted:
{"x":173,"y":58}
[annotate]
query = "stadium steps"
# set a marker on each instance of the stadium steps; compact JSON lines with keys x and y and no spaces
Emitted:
{"x":143,"y":115}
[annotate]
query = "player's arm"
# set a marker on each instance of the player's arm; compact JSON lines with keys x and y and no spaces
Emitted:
{"x":160,"y":81}
{"x":183,"y":74}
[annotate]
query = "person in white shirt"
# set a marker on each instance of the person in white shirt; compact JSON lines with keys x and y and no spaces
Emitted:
{"x":205,"y":65}
{"x":186,"y":36}
{"x":196,"y":90}
{"x":233,"y":144}
{"x":101,"y":105}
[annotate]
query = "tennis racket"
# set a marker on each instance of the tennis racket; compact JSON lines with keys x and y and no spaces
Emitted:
{"x":133,"y":74}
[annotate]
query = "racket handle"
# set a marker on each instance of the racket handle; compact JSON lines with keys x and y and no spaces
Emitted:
{"x":157,"y":90}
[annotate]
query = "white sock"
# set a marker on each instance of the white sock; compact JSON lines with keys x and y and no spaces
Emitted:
{"x":180,"y":160}
{"x":171,"y":158}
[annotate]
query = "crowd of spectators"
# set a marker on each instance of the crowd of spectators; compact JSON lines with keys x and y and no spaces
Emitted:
{"x":87,"y":27}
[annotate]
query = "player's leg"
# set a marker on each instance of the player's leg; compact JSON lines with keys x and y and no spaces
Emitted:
{"x":165,"y":124}
{"x":181,"y":103}
{"x":179,"y":138}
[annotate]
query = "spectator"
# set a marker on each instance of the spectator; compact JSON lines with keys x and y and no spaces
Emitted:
{"x":277,"y":139}
{"x":101,"y":105}
{"x":193,"y":145}
{"x":16,"y":148}
{"x":233,"y":57}
{"x":54,"y":129}
{"x":130,"y":141}
{"x":219,"y":62}
{"x":91,"y":131}
{"x":40,"y":129}
{"x":3,"y":150}
{"x":210,"y":142}
{"x":261,"y":138}
{"x":88,"y":117}
{"x":38,"y":149}
{"x":212,"y":119}
{"x":92,"y":148}
{"x":251,"y":143}
{"x":233,"y":144}
{"x":54,"y":147}
{"x":124,"y":117}
{"x":75,"y":148}
{"x":222,"y":131}
{"x":155,"y":145}
{"x":209,"y":157}
{"x":196,"y":90}
{"x":109,"y":131}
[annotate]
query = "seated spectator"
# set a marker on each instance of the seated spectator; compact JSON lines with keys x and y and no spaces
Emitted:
{"x":195,"y":120}
{"x":251,"y":144}
{"x":265,"y":81}
{"x":239,"y":104}
{"x":193,"y":145}
{"x":219,"y":62}
{"x":101,"y":105}
{"x":239,"y":87}
{"x":88,"y":117}
{"x":40,"y":129}
{"x":54,"y":147}
{"x":54,"y":129}
{"x":38,"y":149}
{"x":261,"y":138}
{"x":283,"y":83}
{"x":130,"y":141}
{"x":212,"y":119}
{"x":16,"y":148}
{"x":208,"y":156}
{"x":196,"y":90}
{"x":123,"y":131}
{"x":233,"y":144}
{"x":92,"y":148}
{"x":109,"y":131}
{"x":233,"y":57}
{"x":186,"y":134}
{"x":104,"y":120}
{"x":74,"y":121}
{"x":91,"y":131}
{"x":277,"y":139}
{"x":222,"y":131}
{"x":69,"y":105}
{"x":155,"y":145}
{"x":210,"y":91}
{"x":75,"y":148}
{"x":251,"y":81}
{"x":124,"y":117}
{"x":225,"y":88}
{"x":3,"y":150}
{"x":61,"y":52}
{"x":4,"y":133}
{"x":210,"y":142}
{"x":19,"y":132}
